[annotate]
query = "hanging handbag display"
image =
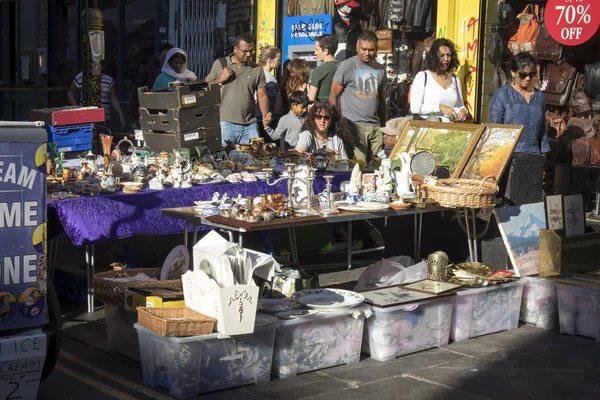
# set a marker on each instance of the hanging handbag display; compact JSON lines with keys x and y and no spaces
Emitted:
{"x":579,"y":102}
{"x":546,"y":48}
{"x":556,"y":121}
{"x":523,"y":32}
{"x":592,"y":80}
{"x":560,"y":78}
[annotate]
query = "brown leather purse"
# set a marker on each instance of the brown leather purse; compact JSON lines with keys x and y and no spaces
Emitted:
{"x":561,"y":78}
{"x":546,"y":48}
{"x":385,"y":41}
{"x":556,"y":121}
{"x":582,"y":128}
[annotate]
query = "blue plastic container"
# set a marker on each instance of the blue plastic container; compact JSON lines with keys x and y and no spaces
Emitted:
{"x":71,"y":137}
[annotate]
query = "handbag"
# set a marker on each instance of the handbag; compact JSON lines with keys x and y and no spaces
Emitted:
{"x":560,"y":82}
{"x":592,"y":79}
{"x":581,"y":128}
{"x":546,"y":48}
{"x":556,"y":121}
{"x":418,"y":63}
{"x":579,"y":102}
{"x":523,"y":32}
{"x":494,"y":52}
{"x":498,"y":79}
{"x":385,"y":41}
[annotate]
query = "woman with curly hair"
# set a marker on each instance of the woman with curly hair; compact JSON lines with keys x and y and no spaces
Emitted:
{"x":437,"y":90}
{"x":324,"y":129}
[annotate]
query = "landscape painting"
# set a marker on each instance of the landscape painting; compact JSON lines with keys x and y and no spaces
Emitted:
{"x":520,"y":226}
{"x":492,"y":152}
{"x":450,"y":144}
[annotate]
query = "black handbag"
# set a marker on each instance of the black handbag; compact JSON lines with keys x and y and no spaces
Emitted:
{"x":592,"y":80}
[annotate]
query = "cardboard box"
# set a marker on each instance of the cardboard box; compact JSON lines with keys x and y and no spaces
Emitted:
{"x":568,"y":255}
{"x":133,"y":299}
{"x":204,"y":136}
{"x":189,"y":96}
{"x":175,"y":120}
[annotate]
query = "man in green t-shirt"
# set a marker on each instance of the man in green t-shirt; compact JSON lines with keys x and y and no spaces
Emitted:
{"x":321,"y":77}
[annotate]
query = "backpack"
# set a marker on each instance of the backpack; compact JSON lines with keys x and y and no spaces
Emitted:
{"x":523,"y":32}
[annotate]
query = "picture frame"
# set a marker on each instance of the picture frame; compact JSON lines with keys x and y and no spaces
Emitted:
{"x":451,"y":144}
{"x":573,"y":214}
{"x":492,"y":151}
{"x":554,"y":212}
{"x":431,"y":287}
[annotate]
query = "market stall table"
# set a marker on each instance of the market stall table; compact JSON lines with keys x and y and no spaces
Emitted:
{"x":196,"y":219}
{"x":88,"y":220}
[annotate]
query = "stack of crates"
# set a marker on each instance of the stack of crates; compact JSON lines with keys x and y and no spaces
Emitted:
{"x":181,"y":117}
{"x":69,"y":127}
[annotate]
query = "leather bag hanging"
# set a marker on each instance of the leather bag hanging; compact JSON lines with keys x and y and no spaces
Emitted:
{"x":385,"y":41}
{"x":592,"y":80}
{"x":586,"y":151}
{"x":556,"y":121}
{"x":579,"y":102}
{"x":546,"y":48}
{"x":421,"y":50}
{"x":582,"y":128}
{"x":561,"y":78}
{"x":523,"y":31}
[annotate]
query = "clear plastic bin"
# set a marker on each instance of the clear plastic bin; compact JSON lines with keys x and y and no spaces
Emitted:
{"x":579,"y":310}
{"x":486,"y":310}
{"x":188,"y":366}
{"x":399,"y":330}
{"x":122,"y":337}
{"x":539,"y":303}
{"x":318,"y":341}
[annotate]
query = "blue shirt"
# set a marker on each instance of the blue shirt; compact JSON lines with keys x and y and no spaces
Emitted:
{"x":510,"y":107}
{"x":162,"y":81}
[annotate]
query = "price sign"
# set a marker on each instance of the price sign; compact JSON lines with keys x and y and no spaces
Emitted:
{"x":572,"y":22}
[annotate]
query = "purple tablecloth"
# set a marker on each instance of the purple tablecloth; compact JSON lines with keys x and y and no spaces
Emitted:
{"x":91,"y":220}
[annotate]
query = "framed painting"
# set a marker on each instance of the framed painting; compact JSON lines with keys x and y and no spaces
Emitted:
{"x":492,"y":151}
{"x":574,"y":214}
{"x":450,"y":144}
{"x":554,"y":212}
{"x":520,"y":226}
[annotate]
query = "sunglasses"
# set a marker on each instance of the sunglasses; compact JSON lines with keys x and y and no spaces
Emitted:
{"x":325,"y":117}
{"x":523,"y":75}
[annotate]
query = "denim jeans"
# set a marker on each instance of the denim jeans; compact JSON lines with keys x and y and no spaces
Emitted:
{"x":238,"y":133}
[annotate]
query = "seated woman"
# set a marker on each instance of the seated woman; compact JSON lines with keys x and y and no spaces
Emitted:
{"x":437,"y":90}
{"x":174,"y":69}
{"x":323,"y":128}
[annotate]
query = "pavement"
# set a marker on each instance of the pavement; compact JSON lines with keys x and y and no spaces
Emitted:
{"x":524,"y":363}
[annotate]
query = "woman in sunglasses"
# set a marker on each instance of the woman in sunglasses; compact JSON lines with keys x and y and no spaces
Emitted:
{"x":519,"y":103}
{"x":323,"y":130}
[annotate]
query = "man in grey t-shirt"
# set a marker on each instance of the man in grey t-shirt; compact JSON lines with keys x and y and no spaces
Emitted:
{"x":359,"y":83}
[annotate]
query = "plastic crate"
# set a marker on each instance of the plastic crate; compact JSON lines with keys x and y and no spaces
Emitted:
{"x":71,"y":137}
{"x":318,"y":341}
{"x":579,"y":310}
{"x":486,"y":310}
{"x":539,"y":302}
{"x":188,"y":366}
{"x":408,"y":328}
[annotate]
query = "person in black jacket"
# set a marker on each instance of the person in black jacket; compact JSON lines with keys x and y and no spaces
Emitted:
{"x":346,"y":26}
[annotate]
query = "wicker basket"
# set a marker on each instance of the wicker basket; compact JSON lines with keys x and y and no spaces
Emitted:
{"x":175,"y":321}
{"x":112,"y":292}
{"x":463,"y":192}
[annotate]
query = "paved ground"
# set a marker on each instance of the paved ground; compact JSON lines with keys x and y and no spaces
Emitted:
{"x":525,"y":363}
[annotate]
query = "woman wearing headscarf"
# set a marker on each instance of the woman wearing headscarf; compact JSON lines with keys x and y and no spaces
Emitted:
{"x":174,"y":69}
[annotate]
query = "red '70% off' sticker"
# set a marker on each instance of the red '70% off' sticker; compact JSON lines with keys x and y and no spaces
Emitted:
{"x":572,"y":22}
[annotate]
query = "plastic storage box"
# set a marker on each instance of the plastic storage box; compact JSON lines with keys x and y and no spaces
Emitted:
{"x":318,"y":341}
{"x":399,"y":330}
{"x":71,"y":137}
{"x":486,"y":310}
{"x":579,"y":310}
{"x":188,"y":366}
{"x":122,"y":337}
{"x":539,"y":302}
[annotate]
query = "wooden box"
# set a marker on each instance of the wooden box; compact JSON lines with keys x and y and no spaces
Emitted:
{"x":568,"y":255}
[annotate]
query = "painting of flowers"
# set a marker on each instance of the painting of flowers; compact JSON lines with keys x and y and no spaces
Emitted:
{"x":520,"y":226}
{"x":492,"y":151}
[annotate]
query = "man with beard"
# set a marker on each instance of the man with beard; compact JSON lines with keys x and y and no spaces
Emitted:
{"x":240,"y":79}
{"x":365,"y":109}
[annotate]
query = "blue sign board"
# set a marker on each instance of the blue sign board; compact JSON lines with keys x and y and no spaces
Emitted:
{"x":303,"y":30}
{"x":22,"y":230}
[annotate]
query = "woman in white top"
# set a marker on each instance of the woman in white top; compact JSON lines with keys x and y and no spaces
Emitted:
{"x":323,"y":130}
{"x":436,"y":89}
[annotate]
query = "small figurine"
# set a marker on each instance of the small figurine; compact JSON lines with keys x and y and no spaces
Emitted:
{"x":225,"y":199}
{"x":216,"y":197}
{"x":156,"y":182}
{"x":177,"y":176}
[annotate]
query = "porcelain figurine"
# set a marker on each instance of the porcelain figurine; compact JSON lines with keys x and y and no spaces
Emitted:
{"x":225,"y":199}
{"x":177,"y":174}
{"x":216,"y":197}
{"x":403,"y":186}
{"x":156,"y":182}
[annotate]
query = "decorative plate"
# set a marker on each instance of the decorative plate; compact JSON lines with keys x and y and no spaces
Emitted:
{"x":176,"y":263}
{"x":272,"y":306}
{"x":295,"y":314}
{"x":324,"y":299}
{"x":363,"y":206}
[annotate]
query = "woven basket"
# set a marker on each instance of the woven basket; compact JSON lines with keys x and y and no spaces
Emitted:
{"x":463,"y":192}
{"x":175,"y":321}
{"x":112,"y":292}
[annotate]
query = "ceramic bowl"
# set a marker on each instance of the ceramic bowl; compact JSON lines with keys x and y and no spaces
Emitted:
{"x":131,"y":187}
{"x":399,"y":206}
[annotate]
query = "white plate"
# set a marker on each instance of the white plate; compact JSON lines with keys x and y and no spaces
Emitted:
{"x":275,"y":305}
{"x":362,"y":206}
{"x":326,"y":299}
{"x":204,"y":203}
{"x":176,"y":263}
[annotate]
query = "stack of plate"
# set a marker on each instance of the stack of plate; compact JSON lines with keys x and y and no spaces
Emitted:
{"x":328,"y":300}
